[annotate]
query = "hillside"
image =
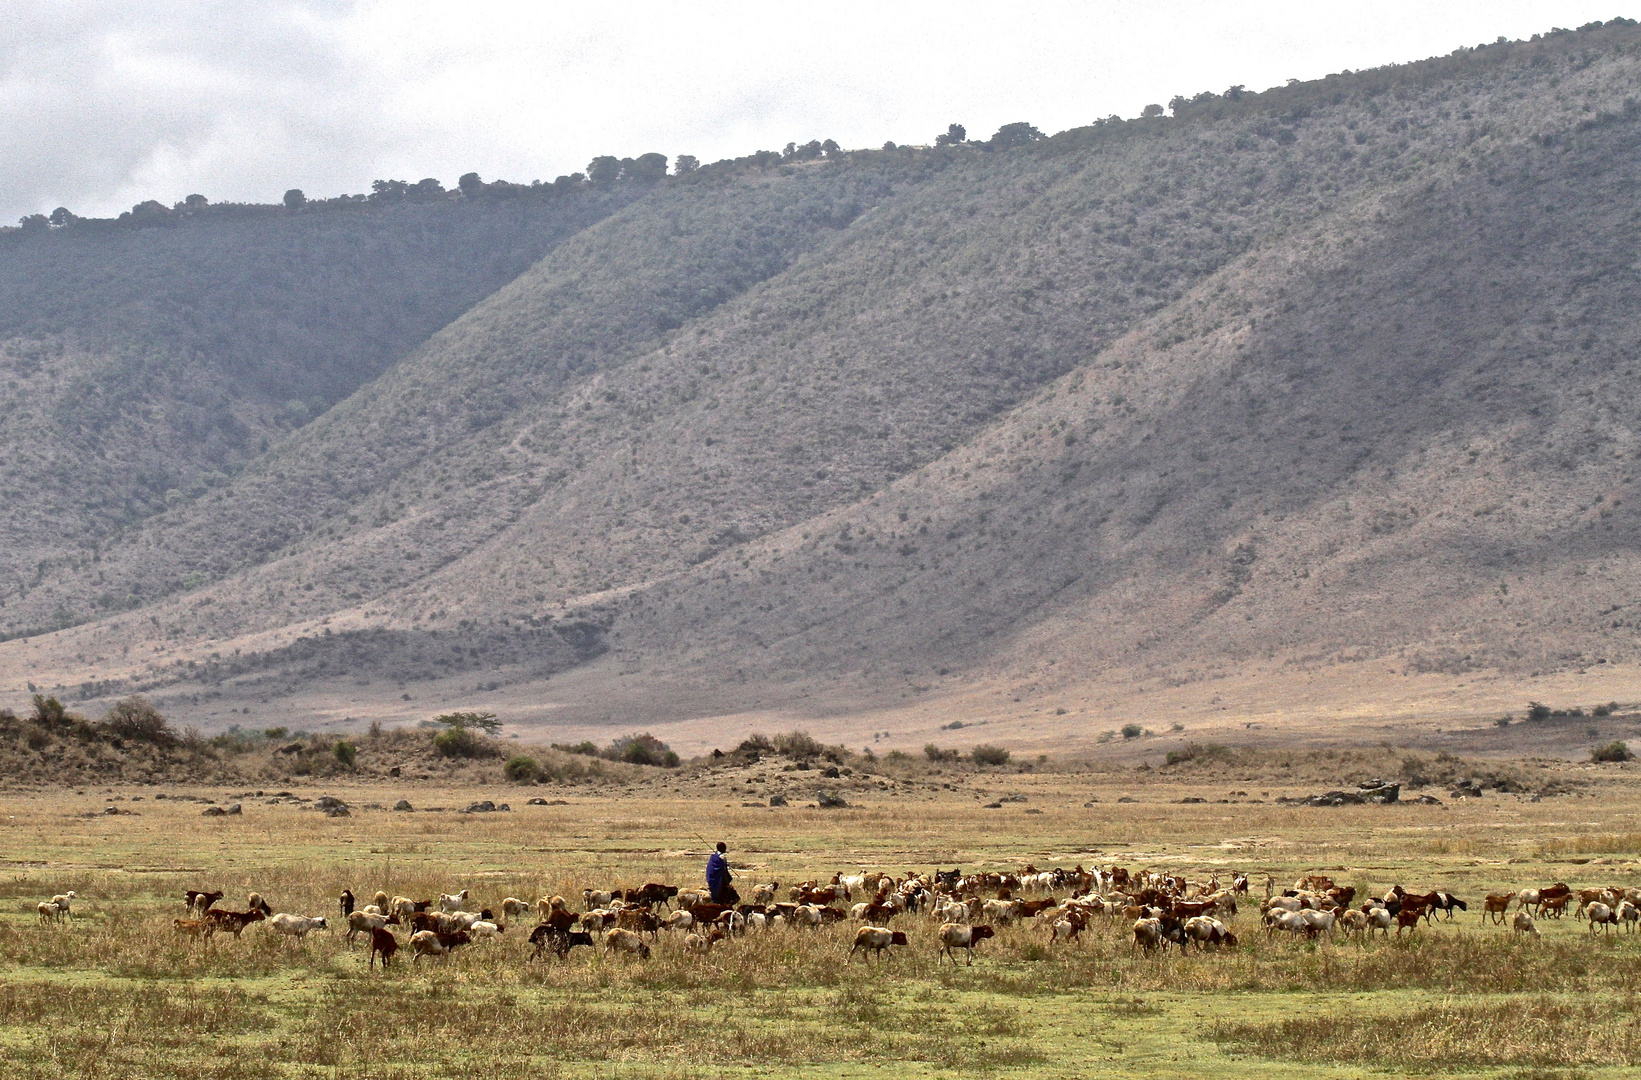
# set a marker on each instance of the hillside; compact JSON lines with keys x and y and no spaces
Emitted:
{"x":1320,"y":383}
{"x":142,"y":367}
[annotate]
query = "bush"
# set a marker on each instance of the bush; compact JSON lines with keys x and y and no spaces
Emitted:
{"x":797,"y":744}
{"x":48,"y":711}
{"x":522,"y":769}
{"x":986,"y":754}
{"x":456,"y":742}
{"x":1537,"y":711}
{"x":134,"y":718}
{"x":345,"y":753}
{"x":1503,"y":721}
{"x":756,"y":744}
{"x":934,"y":753}
{"x":1613,"y":751}
{"x":1132,"y":731}
{"x":643,"y":749}
{"x":586,"y":747}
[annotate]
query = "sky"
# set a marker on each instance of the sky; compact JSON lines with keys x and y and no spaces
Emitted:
{"x":106,"y":103}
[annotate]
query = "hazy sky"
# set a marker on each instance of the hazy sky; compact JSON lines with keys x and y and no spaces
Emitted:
{"x":105,"y":104}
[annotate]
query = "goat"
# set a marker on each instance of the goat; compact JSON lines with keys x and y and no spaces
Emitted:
{"x":194,"y":900}
{"x":959,"y":936}
{"x":1523,"y":924}
{"x":195,"y":928}
{"x":449,"y":902}
{"x":384,"y":943}
{"x":233,"y":921}
{"x":297,"y":926}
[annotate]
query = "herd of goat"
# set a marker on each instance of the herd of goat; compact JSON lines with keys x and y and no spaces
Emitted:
{"x":1164,"y":910}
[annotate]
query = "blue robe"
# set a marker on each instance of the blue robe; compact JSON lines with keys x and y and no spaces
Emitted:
{"x":717,"y":875}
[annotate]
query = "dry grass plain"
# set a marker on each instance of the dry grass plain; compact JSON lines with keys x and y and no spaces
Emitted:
{"x":115,"y":993}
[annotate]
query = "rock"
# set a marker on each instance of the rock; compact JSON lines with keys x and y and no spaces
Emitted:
{"x":337,"y":811}
{"x":394,"y":771}
{"x":1086,"y":805}
{"x":1193,"y":799}
{"x":1128,"y":798}
{"x":328,"y":803}
{"x":403,"y":804}
{"x":485,"y":807}
{"x":1427,"y":800}
{"x":830,"y":800}
{"x":112,"y":810}
{"x":213,"y":811}
{"x":234,"y":809}
{"x":503,"y":808}
{"x":777,"y":800}
{"x":292,"y":748}
{"x":537,"y":801}
{"x":1034,"y":810}
{"x":830,"y":772}
{"x":993,"y":806}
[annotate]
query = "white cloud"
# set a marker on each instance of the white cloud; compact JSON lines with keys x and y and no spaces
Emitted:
{"x":107,"y":103}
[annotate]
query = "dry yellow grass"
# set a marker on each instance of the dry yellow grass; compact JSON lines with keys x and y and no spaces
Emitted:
{"x":116,"y":992}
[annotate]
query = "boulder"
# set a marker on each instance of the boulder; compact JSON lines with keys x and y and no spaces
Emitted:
{"x":403,"y":804}
{"x":328,"y":803}
{"x":337,"y":811}
{"x":537,"y":801}
{"x":213,"y":811}
{"x":830,"y":800}
{"x":777,"y":800}
{"x":485,"y":807}
{"x":234,"y":809}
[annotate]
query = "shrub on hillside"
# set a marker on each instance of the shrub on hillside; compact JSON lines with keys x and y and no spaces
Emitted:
{"x":484,"y":721}
{"x":521,"y":769}
{"x":1132,"y":731}
{"x":1613,"y":751}
{"x":936,"y":754}
{"x":586,"y":747}
{"x":798,"y":744}
{"x":456,"y":742}
{"x":136,"y":719}
{"x":345,"y":753}
{"x":986,"y":754}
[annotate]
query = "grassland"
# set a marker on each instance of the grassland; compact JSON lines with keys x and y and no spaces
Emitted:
{"x":116,"y":993}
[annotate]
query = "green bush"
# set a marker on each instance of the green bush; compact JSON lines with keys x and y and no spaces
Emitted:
{"x":456,"y":742}
{"x":1613,"y":751}
{"x":522,"y":769}
{"x":484,"y":721}
{"x":345,"y":753}
{"x":985,"y":754}
{"x":1132,"y":731}
{"x":798,"y":744}
{"x":1537,"y":711}
{"x":586,"y":747}
{"x":935,"y":753}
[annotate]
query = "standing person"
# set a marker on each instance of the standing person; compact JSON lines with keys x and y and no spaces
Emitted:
{"x":718,"y":875}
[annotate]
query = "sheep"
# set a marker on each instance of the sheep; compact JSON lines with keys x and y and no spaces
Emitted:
{"x":678,"y":920}
{"x":1353,"y":922}
{"x":380,"y":900}
{"x":363,"y":922}
{"x":436,"y":943}
{"x":49,"y":912}
{"x":1522,"y":923}
{"x":194,"y":900}
{"x":1320,"y":922}
{"x":701,"y":943}
{"x":452,"y":921}
{"x":1148,"y":934}
{"x":512,"y":908}
{"x":1291,"y":921}
{"x":591,"y":898}
{"x":958,"y":936}
{"x":64,"y":902}
{"x":345,"y":903}
{"x":686,"y":898}
{"x":254,"y":902}
{"x":484,"y":928}
{"x":877,"y":939}
{"x":764,"y":895}
{"x":619,"y":940}
{"x":1600,"y":915}
{"x":549,"y":904}
{"x":1628,"y":914}
{"x":449,"y":902}
{"x":297,"y":926}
